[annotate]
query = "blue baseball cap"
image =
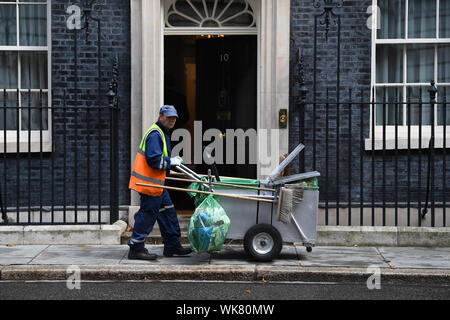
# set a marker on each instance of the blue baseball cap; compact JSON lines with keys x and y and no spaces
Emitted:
{"x":168,"y":111}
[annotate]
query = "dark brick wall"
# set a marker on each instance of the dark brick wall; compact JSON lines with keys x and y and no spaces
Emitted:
{"x":355,"y":68}
{"x":76,"y":132}
{"x":355,"y":73}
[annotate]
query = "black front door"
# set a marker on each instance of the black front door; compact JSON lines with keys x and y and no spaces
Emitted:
{"x":227,"y":92}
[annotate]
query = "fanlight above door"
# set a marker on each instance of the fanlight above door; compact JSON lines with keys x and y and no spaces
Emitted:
{"x":210,"y":14}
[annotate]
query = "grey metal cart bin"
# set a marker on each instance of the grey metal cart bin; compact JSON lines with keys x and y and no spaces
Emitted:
{"x":256,"y":222}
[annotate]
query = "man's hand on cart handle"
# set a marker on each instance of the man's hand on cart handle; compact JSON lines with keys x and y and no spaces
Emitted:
{"x":176,"y":161}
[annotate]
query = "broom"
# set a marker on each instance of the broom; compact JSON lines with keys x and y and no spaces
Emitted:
{"x":290,"y":196}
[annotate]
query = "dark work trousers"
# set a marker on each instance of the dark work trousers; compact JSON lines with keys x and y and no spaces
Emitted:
{"x":153,"y":209}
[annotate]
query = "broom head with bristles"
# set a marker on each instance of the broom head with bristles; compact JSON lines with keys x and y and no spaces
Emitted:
{"x":286,"y":205}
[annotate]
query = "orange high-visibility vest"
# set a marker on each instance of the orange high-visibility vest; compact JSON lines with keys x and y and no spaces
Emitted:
{"x":143,"y":173}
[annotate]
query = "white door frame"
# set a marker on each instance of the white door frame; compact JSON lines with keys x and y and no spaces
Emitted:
{"x":147,"y":71}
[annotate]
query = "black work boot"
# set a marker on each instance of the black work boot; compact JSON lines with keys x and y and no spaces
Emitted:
{"x":180,"y":251}
{"x":141,"y":255}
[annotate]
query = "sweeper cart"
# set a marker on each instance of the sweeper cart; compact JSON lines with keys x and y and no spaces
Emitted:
{"x":264,"y":213}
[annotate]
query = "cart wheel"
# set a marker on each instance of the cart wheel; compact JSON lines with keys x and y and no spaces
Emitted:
{"x":308,"y":249}
{"x":263,"y":242}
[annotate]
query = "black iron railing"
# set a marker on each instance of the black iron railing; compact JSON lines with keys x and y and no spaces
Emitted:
{"x":380,"y":155}
{"x":59,"y":147}
{"x":380,"y":149}
{"x":59,"y":162}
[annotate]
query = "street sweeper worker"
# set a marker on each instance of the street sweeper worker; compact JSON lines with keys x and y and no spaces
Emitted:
{"x":152,"y":164}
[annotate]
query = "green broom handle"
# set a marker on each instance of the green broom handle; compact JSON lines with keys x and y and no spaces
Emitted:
{"x":205,"y":192}
{"x":221,"y":184}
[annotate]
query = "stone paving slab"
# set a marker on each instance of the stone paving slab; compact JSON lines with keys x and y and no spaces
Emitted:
{"x":294,"y":264}
{"x":81,"y":255}
{"x":417,"y":258}
{"x":235,"y":255}
{"x":358,"y":257}
{"x":192,"y":259}
{"x":15,"y":255}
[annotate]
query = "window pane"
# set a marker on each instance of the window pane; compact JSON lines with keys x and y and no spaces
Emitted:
{"x":36,"y":115}
{"x":444,"y":63}
{"x":33,"y":70}
{"x":389,"y":99}
{"x":416,"y":95}
{"x":392,"y":22}
{"x":444,"y":94}
{"x":444,"y":24}
{"x":189,"y":18}
{"x":235,"y":16}
{"x":8,"y":32}
{"x":8,"y":70}
{"x":420,"y":59}
{"x":10,"y":111}
{"x":422,"y":19}
{"x":33,"y":25}
{"x":389,"y":63}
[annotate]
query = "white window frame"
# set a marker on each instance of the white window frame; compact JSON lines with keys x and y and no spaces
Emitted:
{"x":11,"y":135}
{"x":376,"y":134}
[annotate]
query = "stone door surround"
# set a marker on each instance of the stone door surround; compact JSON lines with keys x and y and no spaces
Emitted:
{"x":147,"y":68}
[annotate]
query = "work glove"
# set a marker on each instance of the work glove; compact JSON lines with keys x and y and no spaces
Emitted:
{"x":176,"y":161}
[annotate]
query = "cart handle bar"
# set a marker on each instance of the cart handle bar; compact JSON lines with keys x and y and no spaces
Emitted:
{"x":222,"y":184}
{"x":193,"y":176}
{"x":204,"y":192}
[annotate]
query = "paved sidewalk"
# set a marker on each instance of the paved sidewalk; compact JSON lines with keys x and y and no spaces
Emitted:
{"x":47,"y":262}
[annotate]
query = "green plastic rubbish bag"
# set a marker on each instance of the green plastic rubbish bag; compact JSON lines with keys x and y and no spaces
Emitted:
{"x":197,"y":186}
{"x":208,"y":227}
{"x":198,"y":197}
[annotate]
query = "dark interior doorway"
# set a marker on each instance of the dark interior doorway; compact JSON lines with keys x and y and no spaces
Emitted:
{"x":213,"y":79}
